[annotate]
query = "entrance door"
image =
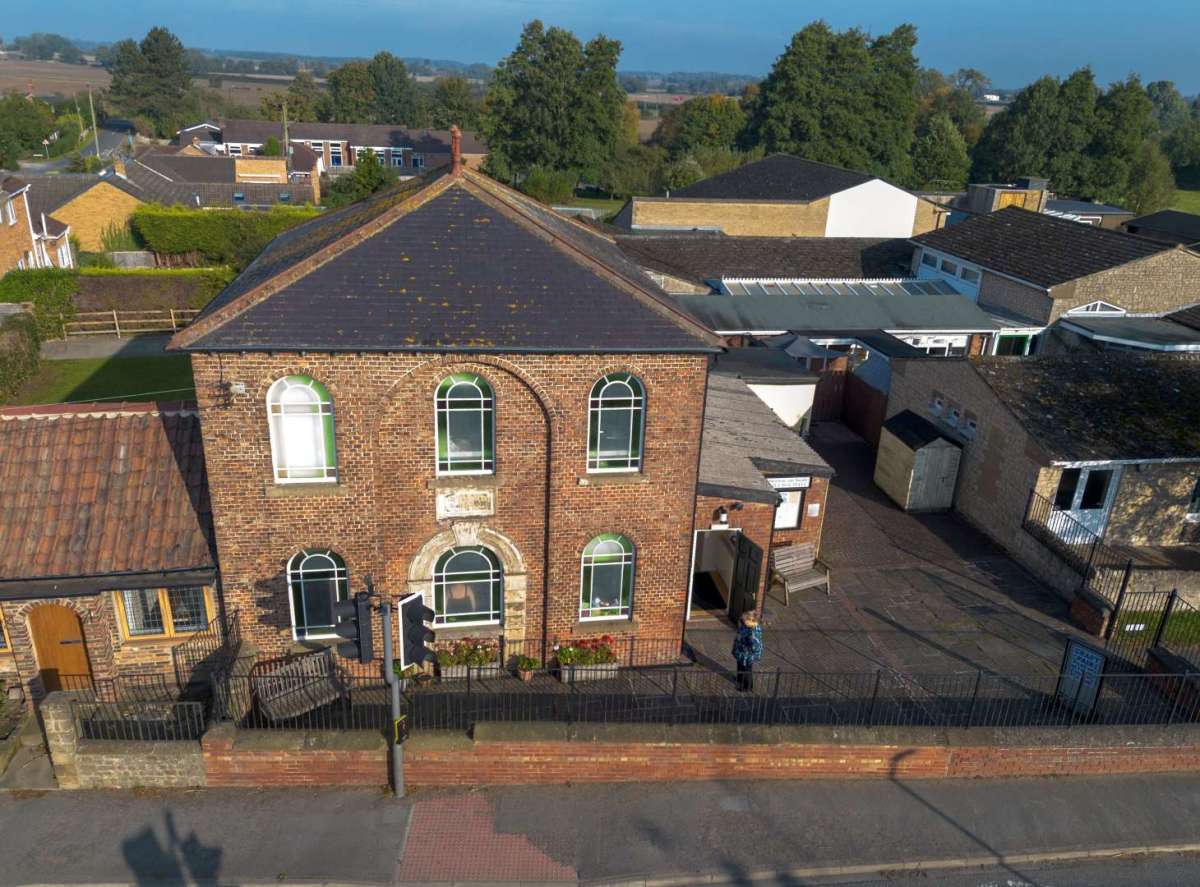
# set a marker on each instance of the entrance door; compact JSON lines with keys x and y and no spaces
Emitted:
{"x":747,"y":568}
{"x":1085,"y":495}
{"x":58,"y":643}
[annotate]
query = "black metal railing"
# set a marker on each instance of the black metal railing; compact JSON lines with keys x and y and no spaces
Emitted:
{"x":1180,"y":632}
{"x":691,"y":695}
{"x":1101,"y":569}
{"x":209,"y":650}
{"x":122,"y":688}
{"x":157,"y":721}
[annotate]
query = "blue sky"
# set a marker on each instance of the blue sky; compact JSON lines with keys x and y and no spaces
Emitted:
{"x":1013,"y":42}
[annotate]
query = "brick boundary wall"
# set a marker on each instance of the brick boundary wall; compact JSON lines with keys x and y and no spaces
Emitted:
{"x":258,"y":758}
{"x":510,"y":755}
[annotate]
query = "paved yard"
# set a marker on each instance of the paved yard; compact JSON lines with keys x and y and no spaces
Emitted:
{"x":909,"y":593}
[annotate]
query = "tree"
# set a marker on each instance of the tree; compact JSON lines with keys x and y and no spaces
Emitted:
{"x":972,"y":81}
{"x":351,"y":94}
{"x":841,"y":98}
{"x":1182,"y":145}
{"x":713,"y":121}
{"x":368,"y":177}
{"x":634,"y":169}
{"x":1151,"y":184}
{"x":1124,"y":121}
{"x":453,"y":103}
{"x":395,"y":97}
{"x":304,"y":100}
{"x":681,"y":173}
{"x":23,"y":125}
{"x":631,"y":119}
{"x":940,"y":156}
{"x":272,"y":148}
{"x":49,"y":46}
{"x":151,"y":80}
{"x":937,"y":94}
{"x":1171,"y":110}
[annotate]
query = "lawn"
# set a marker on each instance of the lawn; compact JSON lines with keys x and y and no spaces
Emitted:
{"x":1188,"y":201}
{"x":607,"y":205}
{"x":110,"y":378}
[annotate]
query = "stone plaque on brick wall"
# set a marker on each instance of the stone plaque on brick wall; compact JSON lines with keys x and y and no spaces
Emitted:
{"x":465,"y":503}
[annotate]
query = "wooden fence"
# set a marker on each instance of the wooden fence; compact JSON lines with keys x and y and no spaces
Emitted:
{"x":127,"y":323}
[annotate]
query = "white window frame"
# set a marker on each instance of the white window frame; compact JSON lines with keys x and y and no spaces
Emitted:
{"x":327,"y":470}
{"x":928,"y":259}
{"x":418,"y":161}
{"x":624,"y":560}
{"x":64,"y":256}
{"x":1193,"y":507}
{"x":494,"y":577}
{"x":397,"y":159}
{"x":234,"y":150}
{"x":486,"y":409}
{"x":296,"y":568}
{"x":1098,"y":308}
{"x":789,"y":513}
{"x":10,"y":211}
{"x":597,"y":407}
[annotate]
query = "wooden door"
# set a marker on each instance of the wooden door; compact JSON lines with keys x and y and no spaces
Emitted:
{"x":60,"y":648}
{"x":747,"y":569}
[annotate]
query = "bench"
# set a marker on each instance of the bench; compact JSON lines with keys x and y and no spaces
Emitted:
{"x":295,"y":686}
{"x":797,"y":568}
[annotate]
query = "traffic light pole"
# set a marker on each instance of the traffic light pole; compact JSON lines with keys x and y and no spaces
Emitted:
{"x":393,"y":681}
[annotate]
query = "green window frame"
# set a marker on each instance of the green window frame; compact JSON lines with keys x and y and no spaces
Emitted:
{"x":616,"y":423}
{"x":303,"y":443}
{"x":468,"y":587}
{"x":317,"y":579}
{"x":606,"y":578}
{"x":464,"y":412}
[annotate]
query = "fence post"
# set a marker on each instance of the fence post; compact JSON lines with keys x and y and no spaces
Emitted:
{"x":1112,"y":621}
{"x":775,"y":698}
{"x":62,"y":319}
{"x":117,"y":323}
{"x":1166,"y":617}
{"x":874,"y":696}
{"x":173,"y":327}
{"x":974,"y":697}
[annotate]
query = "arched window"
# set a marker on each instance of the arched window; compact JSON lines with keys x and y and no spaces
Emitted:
{"x":606,"y":578}
{"x":464,"y":425}
{"x":616,"y":414}
{"x":468,"y":587}
{"x":300,"y":413}
{"x":316,"y":580}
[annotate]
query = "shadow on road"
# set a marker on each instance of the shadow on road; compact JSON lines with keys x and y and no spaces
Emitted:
{"x":186,"y":861}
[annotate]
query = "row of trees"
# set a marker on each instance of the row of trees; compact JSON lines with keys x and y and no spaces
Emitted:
{"x":48,"y":46}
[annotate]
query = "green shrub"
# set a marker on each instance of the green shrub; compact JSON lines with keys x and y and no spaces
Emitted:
{"x":118,"y":237}
{"x":52,"y":292}
{"x":140,"y":289}
{"x":20,"y":348}
{"x":221,"y":237}
{"x":549,"y":185}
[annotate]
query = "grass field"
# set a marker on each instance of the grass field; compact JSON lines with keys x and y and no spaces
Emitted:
{"x":1186,"y":200}
{"x":110,"y":378}
{"x":50,"y":77}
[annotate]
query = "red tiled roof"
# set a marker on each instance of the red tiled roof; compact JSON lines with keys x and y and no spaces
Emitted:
{"x":98,"y":489}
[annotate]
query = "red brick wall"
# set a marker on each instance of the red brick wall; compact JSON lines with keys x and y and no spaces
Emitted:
{"x":810,"y":527}
{"x":562,"y":762}
{"x":381,"y":512}
{"x":755,"y":520}
{"x":16,"y":241}
{"x":229,"y":765}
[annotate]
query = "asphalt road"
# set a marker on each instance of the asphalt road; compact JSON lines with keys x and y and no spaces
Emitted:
{"x":730,"y":832}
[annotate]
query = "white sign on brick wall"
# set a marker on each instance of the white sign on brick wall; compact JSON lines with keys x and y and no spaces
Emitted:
{"x":465,"y":503}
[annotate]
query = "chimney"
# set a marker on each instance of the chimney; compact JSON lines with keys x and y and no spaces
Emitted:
{"x":455,"y":150}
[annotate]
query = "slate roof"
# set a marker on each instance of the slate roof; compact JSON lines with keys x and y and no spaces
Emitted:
{"x":1189,"y":317}
{"x":743,"y":440}
{"x":1102,"y":406}
{"x":11,"y":184}
{"x":1148,"y":331}
{"x":186,"y":168}
{"x":444,"y":262}
{"x":847,"y":312}
{"x":94,"y":490}
{"x":304,"y":159}
{"x":782,"y":177}
{"x":704,"y":257}
{"x":758,"y":365}
{"x":363,"y":135}
{"x":1181,"y":227}
{"x":48,"y":193}
{"x":1034,"y":247}
{"x":152,"y":187}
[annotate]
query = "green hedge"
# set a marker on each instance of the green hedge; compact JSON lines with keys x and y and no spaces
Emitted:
{"x":20,"y":348}
{"x":142,"y":289}
{"x":221,"y":237}
{"x":52,"y":292}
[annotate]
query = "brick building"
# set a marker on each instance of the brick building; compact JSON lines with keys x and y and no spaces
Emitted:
{"x":786,"y":196}
{"x":453,"y":391}
{"x":1034,"y":271}
{"x":106,"y":558}
{"x":29,"y":239}
{"x":1059,"y":452}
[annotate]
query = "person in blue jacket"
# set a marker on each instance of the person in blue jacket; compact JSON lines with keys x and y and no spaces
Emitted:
{"x":747,"y":649}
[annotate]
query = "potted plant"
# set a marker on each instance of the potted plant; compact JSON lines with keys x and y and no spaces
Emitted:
{"x":474,"y":656}
{"x":407,"y":675}
{"x":586,"y":659}
{"x":526,"y":666}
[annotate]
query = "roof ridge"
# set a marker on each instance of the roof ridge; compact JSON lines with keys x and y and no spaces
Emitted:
{"x":290,"y":273}
{"x":100,"y":409}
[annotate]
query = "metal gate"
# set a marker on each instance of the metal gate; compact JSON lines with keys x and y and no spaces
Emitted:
{"x":1137,"y":624}
{"x":747,"y":569}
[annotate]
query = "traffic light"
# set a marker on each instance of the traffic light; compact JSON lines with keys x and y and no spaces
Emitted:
{"x":354,"y":624}
{"x":415,"y":635}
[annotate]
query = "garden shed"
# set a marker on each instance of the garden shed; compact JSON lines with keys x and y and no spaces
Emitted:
{"x":917,"y":464}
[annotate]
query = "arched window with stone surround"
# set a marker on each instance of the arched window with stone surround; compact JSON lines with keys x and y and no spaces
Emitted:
{"x":606,"y":578}
{"x":468,"y":587}
{"x":616,"y":417}
{"x":316,"y":581}
{"x":464,"y":415}
{"x":300,"y":417}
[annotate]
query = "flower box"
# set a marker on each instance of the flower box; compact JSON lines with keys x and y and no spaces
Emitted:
{"x":460,"y":672}
{"x":580,"y":674}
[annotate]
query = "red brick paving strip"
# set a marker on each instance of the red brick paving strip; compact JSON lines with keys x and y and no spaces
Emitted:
{"x":455,"y":839}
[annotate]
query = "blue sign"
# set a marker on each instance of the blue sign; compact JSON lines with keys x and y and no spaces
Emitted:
{"x":1081,"y":674}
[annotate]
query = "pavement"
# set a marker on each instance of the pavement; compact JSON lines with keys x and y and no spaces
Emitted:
{"x":683,"y":833}
{"x":909,"y":594}
{"x":77,"y":347}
